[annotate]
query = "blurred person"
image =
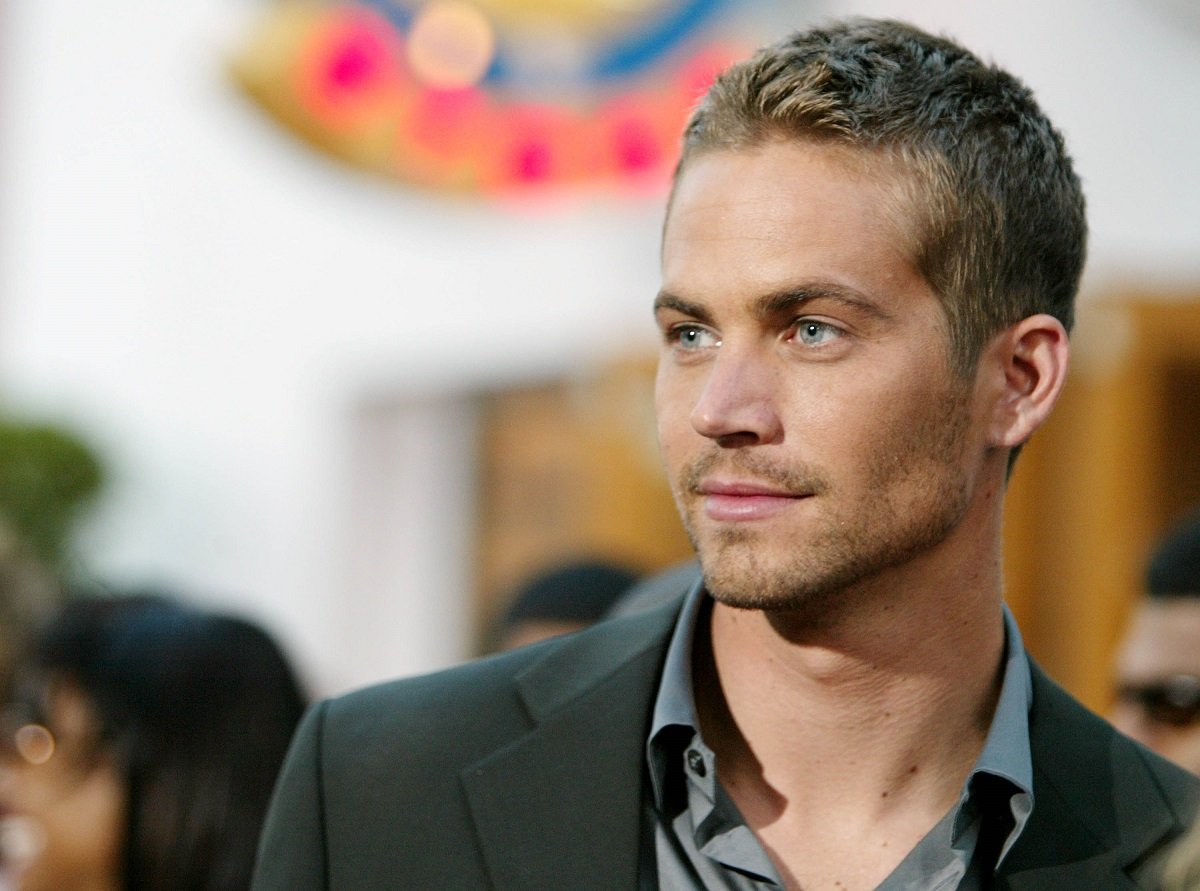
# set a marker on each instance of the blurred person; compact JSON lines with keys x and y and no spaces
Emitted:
{"x":141,"y":743}
{"x":1158,"y":661}
{"x":666,"y":586}
{"x":562,"y":599}
{"x":869,"y":265}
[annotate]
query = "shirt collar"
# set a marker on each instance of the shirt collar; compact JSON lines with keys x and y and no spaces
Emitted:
{"x":1006,"y":753}
{"x":675,"y":704}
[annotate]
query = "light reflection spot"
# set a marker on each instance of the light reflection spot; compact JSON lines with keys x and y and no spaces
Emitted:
{"x":34,"y":743}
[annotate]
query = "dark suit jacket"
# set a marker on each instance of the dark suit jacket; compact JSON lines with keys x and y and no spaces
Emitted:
{"x":525,"y":771}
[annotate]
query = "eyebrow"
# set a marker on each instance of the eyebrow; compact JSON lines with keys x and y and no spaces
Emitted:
{"x":667,"y":300}
{"x":778,"y":302}
{"x":790,"y":299}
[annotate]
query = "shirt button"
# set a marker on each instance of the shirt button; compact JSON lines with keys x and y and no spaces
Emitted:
{"x":696,"y":762}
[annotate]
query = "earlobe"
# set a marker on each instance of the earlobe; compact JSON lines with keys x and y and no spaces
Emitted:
{"x":1033,"y":355}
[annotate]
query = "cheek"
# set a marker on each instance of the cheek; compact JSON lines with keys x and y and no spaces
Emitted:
{"x":672,"y":451}
{"x":924,"y":412}
{"x":1181,"y":745}
{"x":673,"y":414}
{"x":849,"y":425}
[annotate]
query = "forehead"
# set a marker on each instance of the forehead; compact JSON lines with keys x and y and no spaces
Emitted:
{"x":751,"y":220}
{"x":1163,"y":639}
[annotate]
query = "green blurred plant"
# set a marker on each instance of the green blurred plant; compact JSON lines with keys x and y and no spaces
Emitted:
{"x":48,"y":476}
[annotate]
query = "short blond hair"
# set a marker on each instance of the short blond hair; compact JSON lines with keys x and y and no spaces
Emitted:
{"x":994,"y":208}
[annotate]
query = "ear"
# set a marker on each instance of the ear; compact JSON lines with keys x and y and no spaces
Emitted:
{"x":1029,"y":363}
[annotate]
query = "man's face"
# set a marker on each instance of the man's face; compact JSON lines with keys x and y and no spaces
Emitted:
{"x":811,"y":429}
{"x":1158,"y":679}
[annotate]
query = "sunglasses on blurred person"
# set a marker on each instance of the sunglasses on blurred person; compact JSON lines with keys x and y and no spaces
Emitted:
{"x":1173,"y":701}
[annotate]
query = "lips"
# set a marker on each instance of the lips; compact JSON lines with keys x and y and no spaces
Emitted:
{"x":728,"y":501}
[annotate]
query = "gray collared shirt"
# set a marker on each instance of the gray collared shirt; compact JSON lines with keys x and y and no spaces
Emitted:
{"x":701,"y":842}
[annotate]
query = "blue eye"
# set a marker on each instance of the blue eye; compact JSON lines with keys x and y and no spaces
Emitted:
{"x":813,"y":333}
{"x":693,"y":337}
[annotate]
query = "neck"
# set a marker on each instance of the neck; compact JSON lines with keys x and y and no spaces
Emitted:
{"x":883,"y":706}
{"x":875,"y":698}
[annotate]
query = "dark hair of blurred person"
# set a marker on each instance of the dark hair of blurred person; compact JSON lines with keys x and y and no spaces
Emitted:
{"x":561,"y":599}
{"x":141,"y":745}
{"x":1158,"y":662}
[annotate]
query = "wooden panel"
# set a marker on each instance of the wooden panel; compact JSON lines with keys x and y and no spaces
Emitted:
{"x":570,"y":468}
{"x":1179,"y":467}
{"x":1117,"y":462}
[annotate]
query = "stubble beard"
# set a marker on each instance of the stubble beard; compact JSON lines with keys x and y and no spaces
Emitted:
{"x":916,"y":494}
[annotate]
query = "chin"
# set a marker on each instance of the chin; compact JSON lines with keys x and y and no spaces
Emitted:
{"x":746,"y":581}
{"x":817,"y":583}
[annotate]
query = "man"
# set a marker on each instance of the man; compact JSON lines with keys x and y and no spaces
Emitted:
{"x":1158,"y":663}
{"x":869,"y":263}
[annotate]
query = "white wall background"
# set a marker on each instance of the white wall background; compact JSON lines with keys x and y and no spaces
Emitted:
{"x":216,"y":308}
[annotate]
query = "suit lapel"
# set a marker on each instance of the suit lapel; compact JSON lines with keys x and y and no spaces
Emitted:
{"x":1063,"y":852}
{"x":1098,"y":811}
{"x":1058,"y":850}
{"x":561,"y":806}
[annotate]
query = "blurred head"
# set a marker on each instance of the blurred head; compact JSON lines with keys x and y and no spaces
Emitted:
{"x":561,"y":600}
{"x":1158,"y":662}
{"x":141,"y":747}
{"x":983,"y":192}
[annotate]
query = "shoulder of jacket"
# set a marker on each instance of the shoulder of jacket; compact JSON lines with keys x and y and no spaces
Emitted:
{"x":485,"y":688}
{"x":1085,"y":755}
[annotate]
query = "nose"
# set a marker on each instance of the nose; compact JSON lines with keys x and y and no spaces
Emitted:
{"x":738,"y":405}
